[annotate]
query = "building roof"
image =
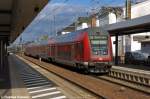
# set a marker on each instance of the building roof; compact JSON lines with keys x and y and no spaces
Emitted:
{"x":106,"y":10}
{"x":141,"y":37}
{"x":72,"y":27}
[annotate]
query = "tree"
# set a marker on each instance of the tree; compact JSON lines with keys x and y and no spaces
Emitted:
{"x":44,"y":38}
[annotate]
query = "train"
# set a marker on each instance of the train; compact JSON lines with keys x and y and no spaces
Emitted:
{"x":88,"y":50}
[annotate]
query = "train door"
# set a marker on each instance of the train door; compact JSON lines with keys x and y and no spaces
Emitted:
{"x":79,"y":51}
{"x":49,"y":50}
{"x":53,"y":51}
{"x":45,"y":51}
{"x":72,"y":51}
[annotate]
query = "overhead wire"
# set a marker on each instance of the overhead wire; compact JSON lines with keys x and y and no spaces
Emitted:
{"x":95,"y":2}
{"x":54,"y":15}
{"x":98,"y":2}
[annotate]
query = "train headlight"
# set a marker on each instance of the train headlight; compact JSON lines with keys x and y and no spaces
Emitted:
{"x":85,"y":63}
{"x":100,"y":59}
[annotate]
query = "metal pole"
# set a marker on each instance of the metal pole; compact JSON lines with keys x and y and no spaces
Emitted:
{"x":126,"y":38}
{"x":1,"y":52}
{"x":128,"y":9}
{"x":116,"y":49}
{"x":50,"y":27}
{"x":122,"y":50}
{"x":55,"y":26}
{"x":1,"y":55}
{"x":5,"y":57}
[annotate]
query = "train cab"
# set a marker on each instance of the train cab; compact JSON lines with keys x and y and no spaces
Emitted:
{"x":100,"y":50}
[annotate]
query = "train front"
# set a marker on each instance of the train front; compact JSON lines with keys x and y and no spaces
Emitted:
{"x":100,"y":51}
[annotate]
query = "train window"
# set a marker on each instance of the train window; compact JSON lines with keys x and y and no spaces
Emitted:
{"x":64,"y":51}
{"x":99,"y":45}
{"x":91,"y":37}
{"x":100,"y":37}
{"x":95,"y":42}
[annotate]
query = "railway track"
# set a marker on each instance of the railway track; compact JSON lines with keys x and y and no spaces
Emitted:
{"x":100,"y":87}
{"x":136,"y":86}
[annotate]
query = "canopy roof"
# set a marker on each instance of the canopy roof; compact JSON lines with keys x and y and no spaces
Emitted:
{"x":137,"y":25}
{"x":15,"y":15}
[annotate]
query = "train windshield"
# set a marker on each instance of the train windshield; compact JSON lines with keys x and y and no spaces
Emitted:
{"x":99,"y":44}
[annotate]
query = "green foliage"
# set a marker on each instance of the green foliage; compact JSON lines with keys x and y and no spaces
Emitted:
{"x":84,"y":20}
{"x":44,"y":38}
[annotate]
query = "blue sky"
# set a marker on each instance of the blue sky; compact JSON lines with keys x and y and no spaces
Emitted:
{"x":89,"y":2}
{"x":58,"y":14}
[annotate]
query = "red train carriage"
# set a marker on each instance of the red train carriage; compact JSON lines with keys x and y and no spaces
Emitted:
{"x":88,"y":49}
{"x":37,"y":50}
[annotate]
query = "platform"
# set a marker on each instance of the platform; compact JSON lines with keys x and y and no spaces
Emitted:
{"x":136,"y":67}
{"x":27,"y":83}
{"x":18,"y":89}
{"x":133,"y":68}
{"x":4,"y":79}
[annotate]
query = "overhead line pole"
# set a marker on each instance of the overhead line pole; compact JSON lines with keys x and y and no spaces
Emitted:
{"x":128,"y":9}
{"x":126,"y":37}
{"x":128,"y":16}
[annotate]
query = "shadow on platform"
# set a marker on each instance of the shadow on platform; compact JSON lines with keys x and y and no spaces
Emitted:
{"x":5,"y":79}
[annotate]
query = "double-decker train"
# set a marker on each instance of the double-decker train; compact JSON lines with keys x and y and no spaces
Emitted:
{"x":89,"y":50}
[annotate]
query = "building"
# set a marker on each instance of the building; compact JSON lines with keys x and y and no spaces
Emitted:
{"x":67,"y":29}
{"x":81,"y":23}
{"x":138,"y":10}
{"x":109,"y":15}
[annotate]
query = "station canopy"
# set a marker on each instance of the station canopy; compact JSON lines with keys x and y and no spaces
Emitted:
{"x":137,"y":25}
{"x":15,"y":16}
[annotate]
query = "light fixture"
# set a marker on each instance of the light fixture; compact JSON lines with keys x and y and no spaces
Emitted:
{"x":146,"y":36}
{"x":36,"y":9}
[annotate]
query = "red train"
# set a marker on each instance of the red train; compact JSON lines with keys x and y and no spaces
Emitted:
{"x":89,"y":50}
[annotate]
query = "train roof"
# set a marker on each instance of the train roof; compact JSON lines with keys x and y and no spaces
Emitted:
{"x":77,"y":35}
{"x":44,"y":42}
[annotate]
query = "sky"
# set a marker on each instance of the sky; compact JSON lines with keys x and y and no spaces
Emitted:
{"x":58,"y":14}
